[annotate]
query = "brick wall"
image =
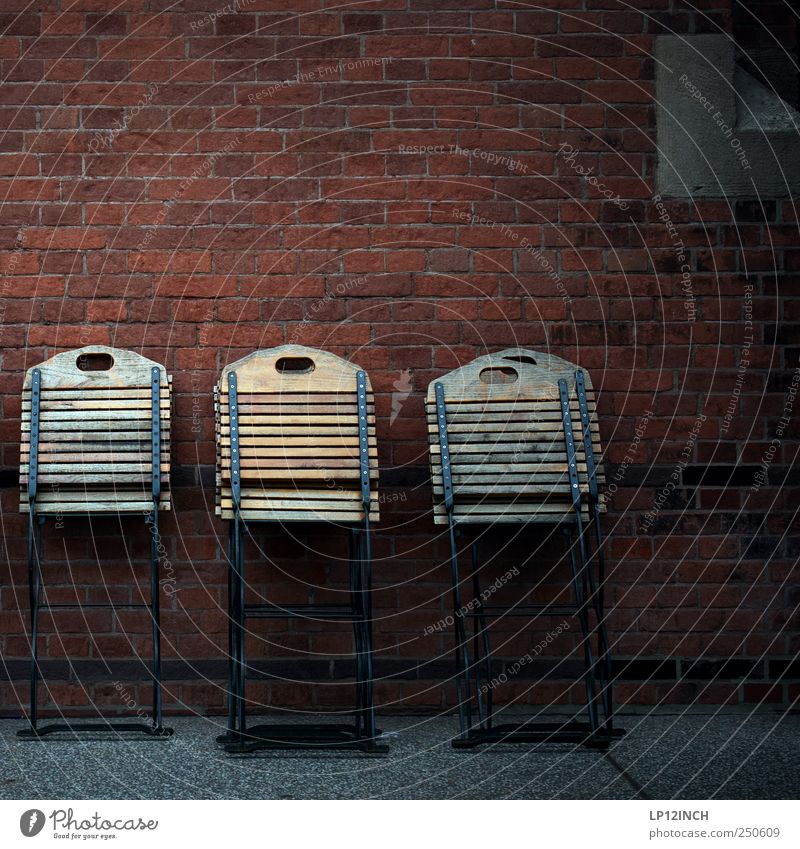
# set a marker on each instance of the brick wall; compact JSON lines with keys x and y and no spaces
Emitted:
{"x":405,"y":183}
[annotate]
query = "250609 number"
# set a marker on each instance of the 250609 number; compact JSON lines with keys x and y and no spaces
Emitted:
{"x":768,"y":831}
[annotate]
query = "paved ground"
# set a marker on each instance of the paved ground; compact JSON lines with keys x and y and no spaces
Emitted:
{"x":726,"y":755}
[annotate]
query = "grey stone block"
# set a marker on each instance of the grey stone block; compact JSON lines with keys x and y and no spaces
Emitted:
{"x":721,"y":132}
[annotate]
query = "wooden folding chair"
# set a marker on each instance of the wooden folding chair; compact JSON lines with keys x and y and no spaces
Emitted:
{"x":514,"y":439}
{"x":296,"y":443}
{"x":95,"y":442}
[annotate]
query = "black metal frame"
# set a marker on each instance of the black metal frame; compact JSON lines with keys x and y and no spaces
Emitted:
{"x":36,"y":522}
{"x":599,"y":731}
{"x":362,"y":735}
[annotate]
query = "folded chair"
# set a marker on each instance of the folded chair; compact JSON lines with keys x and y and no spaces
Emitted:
{"x":95,"y":442}
{"x":514,"y":440}
{"x":296,"y":443}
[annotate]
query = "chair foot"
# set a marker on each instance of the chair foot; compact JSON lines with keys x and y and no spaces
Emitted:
{"x":285,"y":737}
{"x":539,"y":732}
{"x":94,"y":727}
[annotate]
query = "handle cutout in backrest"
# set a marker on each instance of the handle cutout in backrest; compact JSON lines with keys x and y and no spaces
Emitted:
{"x":95,"y":362}
{"x":294,"y":365}
{"x":498,"y":374}
{"x":521,"y":358}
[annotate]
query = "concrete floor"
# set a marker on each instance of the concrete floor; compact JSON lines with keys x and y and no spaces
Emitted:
{"x":726,"y":754}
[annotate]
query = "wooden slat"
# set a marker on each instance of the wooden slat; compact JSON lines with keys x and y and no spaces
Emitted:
{"x":289,"y":399}
{"x":282,"y":422}
{"x":300,"y":466}
{"x":297,"y":408}
{"x":51,"y":468}
{"x":300,"y":474}
{"x":508,"y":458}
{"x":548,"y":508}
{"x":99,"y":438}
{"x":299,"y":516}
{"x":133,"y":502}
{"x":97,"y":393}
{"x":333,"y":440}
{"x":267,"y":451}
{"x":95,"y":435}
{"x":94,"y":457}
{"x":108,"y":479}
{"x":131,"y":429}
{"x":515,"y":405}
{"x":297,"y":431}
{"x":250,"y":431}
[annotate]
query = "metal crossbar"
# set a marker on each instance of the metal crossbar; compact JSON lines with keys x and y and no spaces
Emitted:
{"x":362,"y":735}
{"x":155,"y":727}
{"x":588,"y":596}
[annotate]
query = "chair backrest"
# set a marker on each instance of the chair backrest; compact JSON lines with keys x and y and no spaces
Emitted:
{"x":298,"y":427}
{"x":94,"y":433}
{"x":505,"y":430}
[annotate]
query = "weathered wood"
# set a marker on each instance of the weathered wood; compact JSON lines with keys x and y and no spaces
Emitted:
{"x":95,"y":434}
{"x":129,"y":370}
{"x":255,"y":474}
{"x":93,"y":456}
{"x":505,"y":428}
{"x":305,"y":515}
{"x":302,"y":467}
{"x":129,"y":427}
{"x":287,"y":398}
{"x":93,"y":503}
{"x":291,"y":452}
{"x":107,"y":479}
{"x":298,"y":430}
{"x":300,"y":408}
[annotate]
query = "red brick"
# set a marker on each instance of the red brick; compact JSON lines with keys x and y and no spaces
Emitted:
{"x":211,"y":226}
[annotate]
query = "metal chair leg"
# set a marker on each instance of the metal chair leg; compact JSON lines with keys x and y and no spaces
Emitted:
{"x":239,"y":627}
{"x":463,"y":694}
{"x":365,"y":572}
{"x":232,"y":632}
{"x":603,"y":648}
{"x":481,"y":649}
{"x":34,"y":591}
{"x":358,"y":630}
{"x":596,"y":592}
{"x":578,"y":581}
{"x":155,"y":613}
